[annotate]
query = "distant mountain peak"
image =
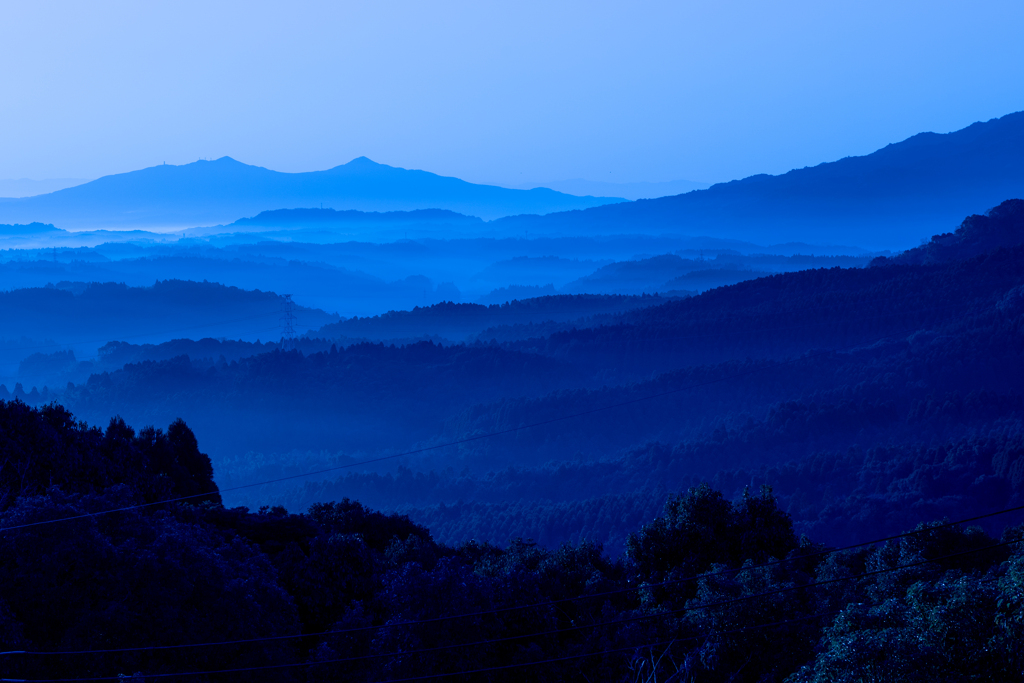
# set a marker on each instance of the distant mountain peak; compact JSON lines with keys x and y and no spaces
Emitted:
{"x":219,"y":191}
{"x":221,"y":161}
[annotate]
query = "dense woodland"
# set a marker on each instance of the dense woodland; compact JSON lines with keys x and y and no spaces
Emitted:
{"x":199,"y":308}
{"x":667,"y":491}
{"x":903,"y":377}
{"x":710,"y":589}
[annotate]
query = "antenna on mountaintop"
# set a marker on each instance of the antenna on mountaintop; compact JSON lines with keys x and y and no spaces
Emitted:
{"x":288,"y":318}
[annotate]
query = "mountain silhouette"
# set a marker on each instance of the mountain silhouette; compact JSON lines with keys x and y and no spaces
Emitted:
{"x":221,"y":191}
{"x":889,"y":199}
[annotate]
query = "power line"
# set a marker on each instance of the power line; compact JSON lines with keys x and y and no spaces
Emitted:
{"x":689,"y":608}
{"x":287,"y":317}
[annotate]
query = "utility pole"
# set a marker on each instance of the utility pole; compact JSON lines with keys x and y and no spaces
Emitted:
{"x":288,"y":318}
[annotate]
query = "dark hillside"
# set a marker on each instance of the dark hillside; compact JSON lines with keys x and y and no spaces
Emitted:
{"x":926,"y":426}
{"x":96,"y":585}
{"x":741,"y":385}
{"x":1002,"y":226}
{"x":788,"y":314}
{"x":364,"y":397}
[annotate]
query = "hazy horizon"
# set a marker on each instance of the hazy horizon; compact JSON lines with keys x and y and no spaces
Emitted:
{"x":16,"y":188}
{"x":493,"y":95}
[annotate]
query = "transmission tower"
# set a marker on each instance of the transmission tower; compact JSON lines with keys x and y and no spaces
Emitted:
{"x":288,"y":318}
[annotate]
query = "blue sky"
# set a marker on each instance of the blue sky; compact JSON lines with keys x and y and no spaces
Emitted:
{"x":495,"y":92}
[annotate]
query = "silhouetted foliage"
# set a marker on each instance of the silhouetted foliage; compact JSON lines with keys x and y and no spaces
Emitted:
{"x":711,"y":588}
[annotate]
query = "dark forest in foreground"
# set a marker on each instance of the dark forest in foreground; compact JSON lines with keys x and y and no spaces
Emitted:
{"x":710,"y":590}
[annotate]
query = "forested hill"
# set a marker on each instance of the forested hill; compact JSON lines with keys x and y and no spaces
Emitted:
{"x":1002,"y":226}
{"x":870,"y":401}
{"x":106,"y":577}
{"x":75,"y":312}
{"x":362,"y":398}
{"x":441,"y":323}
{"x":879,"y":373}
{"x":886,"y":199}
{"x":788,"y":314}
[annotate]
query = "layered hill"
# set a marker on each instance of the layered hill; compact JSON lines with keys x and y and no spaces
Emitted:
{"x":888,"y":199}
{"x":221,"y":191}
{"x":50,"y":329}
{"x":72,"y":310}
{"x":30,"y":229}
{"x":902,"y":379}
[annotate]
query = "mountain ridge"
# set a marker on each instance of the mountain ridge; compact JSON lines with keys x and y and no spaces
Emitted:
{"x":888,"y":199}
{"x":220,"y":191}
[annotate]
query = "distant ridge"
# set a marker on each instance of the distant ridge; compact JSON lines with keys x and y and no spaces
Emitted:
{"x":221,"y":191}
{"x":889,"y":199}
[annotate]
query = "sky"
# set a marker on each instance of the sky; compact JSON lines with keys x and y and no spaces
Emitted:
{"x":496,"y":92}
